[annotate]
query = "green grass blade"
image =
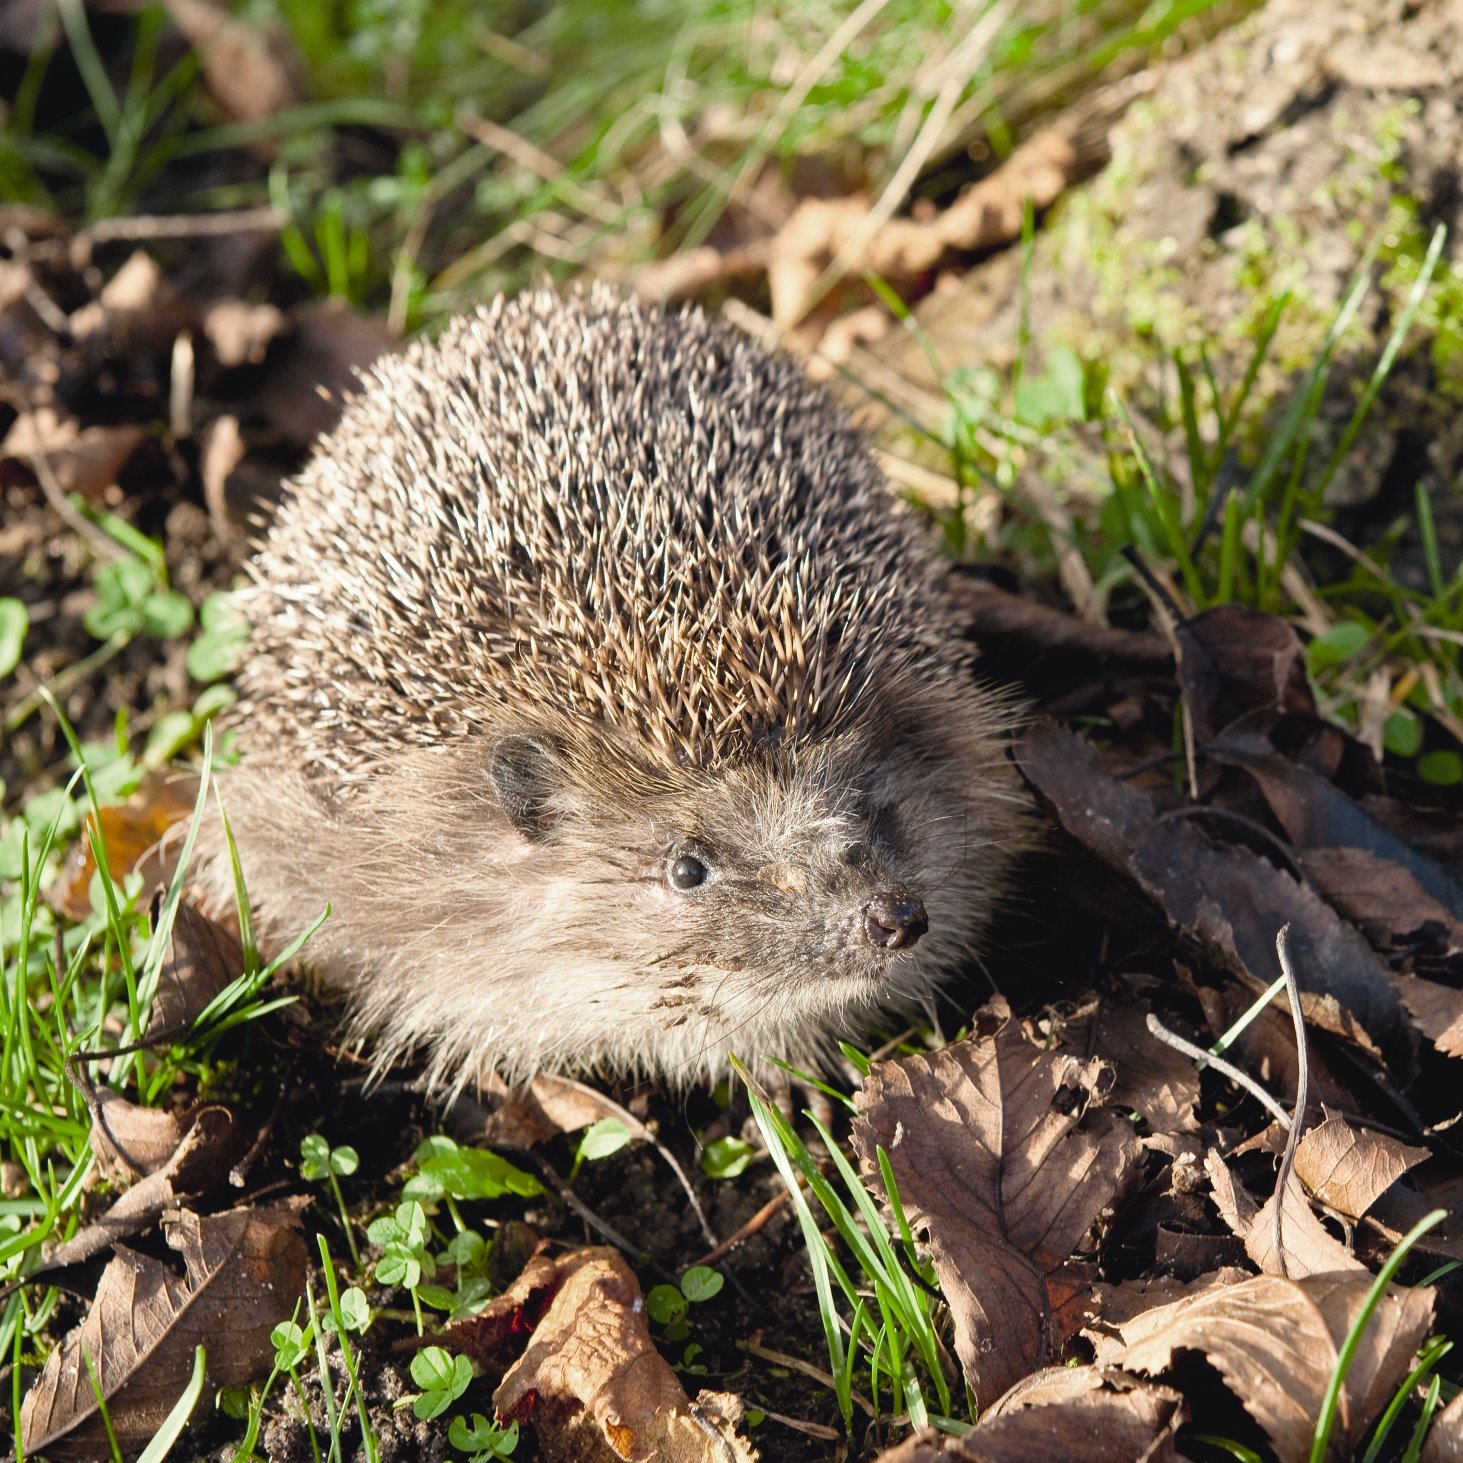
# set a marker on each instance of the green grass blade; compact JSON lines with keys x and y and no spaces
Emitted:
{"x":1331,"y":1402}
{"x":173,"y":1424}
{"x":1388,"y":357}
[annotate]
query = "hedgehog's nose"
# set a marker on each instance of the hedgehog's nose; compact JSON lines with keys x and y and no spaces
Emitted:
{"x":894,"y":921}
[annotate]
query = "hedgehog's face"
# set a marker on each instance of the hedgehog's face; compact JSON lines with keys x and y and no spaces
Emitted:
{"x":766,"y":906}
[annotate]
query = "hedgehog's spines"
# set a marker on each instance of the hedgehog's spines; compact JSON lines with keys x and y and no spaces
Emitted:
{"x":699,"y":620}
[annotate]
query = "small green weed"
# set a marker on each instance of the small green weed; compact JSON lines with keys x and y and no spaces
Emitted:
{"x":599,"y":1140}
{"x":727,"y":1158}
{"x":442,"y":1377}
{"x":483,"y":1438}
{"x":318,"y":1160}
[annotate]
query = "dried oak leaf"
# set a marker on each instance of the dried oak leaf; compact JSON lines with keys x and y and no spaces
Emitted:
{"x":244,"y":1268}
{"x":1077,"y":1414}
{"x":1274,"y":1342}
{"x":591,"y":1381}
{"x":1005,"y":1158}
{"x":1348,"y":1169}
{"x":1225,"y":897}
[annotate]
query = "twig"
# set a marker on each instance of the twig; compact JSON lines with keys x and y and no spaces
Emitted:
{"x":79,"y":523}
{"x":263,"y":219}
{"x":1302,"y":1093}
{"x":1237,"y":1075}
{"x":601,"y":1227}
{"x":804,"y":1368}
{"x":640,"y":1131}
{"x":747,"y":1230}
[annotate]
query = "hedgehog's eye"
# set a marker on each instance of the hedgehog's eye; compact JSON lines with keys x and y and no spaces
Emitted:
{"x":687,"y":872}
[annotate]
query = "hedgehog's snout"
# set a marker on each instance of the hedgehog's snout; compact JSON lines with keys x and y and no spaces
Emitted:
{"x":894,"y":920}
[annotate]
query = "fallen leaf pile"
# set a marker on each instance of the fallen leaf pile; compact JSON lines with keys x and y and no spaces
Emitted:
{"x":1088,"y":1195}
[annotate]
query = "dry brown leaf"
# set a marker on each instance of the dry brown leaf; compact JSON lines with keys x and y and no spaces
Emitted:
{"x":1238,"y":663}
{"x":987,"y":213}
{"x":239,"y":332}
{"x":1437,"y":1009}
{"x":1399,"y":916}
{"x":1075,"y":1414}
{"x":84,"y":460}
{"x":1348,"y":1169}
{"x":243,"y":1270}
{"x":249,"y":68}
{"x":1275,"y":1343}
{"x":1444,"y":1441}
{"x":1188,"y":1257}
{"x":1005,"y":1159}
{"x":128,"y":1140}
{"x":899,"y":250}
{"x":210,"y":1144}
{"x":1160,"y":1084}
{"x":1113,"y":1306}
{"x":1226,"y":897}
{"x":592,"y":1383}
{"x":202,"y":958}
{"x":548,"y":1107}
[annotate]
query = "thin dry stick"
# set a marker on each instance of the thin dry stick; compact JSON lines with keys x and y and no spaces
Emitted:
{"x":747,"y":1230}
{"x":105,"y":545}
{"x":141,"y":228}
{"x":639,"y":1130}
{"x":804,"y":1368}
{"x":601,"y":1227}
{"x":1302,"y":1085}
{"x":1237,"y":1075}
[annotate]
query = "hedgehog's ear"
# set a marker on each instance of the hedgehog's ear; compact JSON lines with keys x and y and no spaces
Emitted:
{"x":526,"y":774}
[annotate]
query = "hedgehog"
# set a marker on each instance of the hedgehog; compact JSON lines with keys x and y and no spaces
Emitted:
{"x":605,"y":693}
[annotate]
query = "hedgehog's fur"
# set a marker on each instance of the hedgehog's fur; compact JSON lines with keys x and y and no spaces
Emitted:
{"x":584,"y":588}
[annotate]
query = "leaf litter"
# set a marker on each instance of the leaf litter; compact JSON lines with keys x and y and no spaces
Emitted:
{"x":1085,"y":1190}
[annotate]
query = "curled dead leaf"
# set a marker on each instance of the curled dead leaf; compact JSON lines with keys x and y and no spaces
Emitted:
{"x":135,"y":835}
{"x":209,"y":1143}
{"x":202,"y":958}
{"x":589,"y":1380}
{"x":1076,"y":1414}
